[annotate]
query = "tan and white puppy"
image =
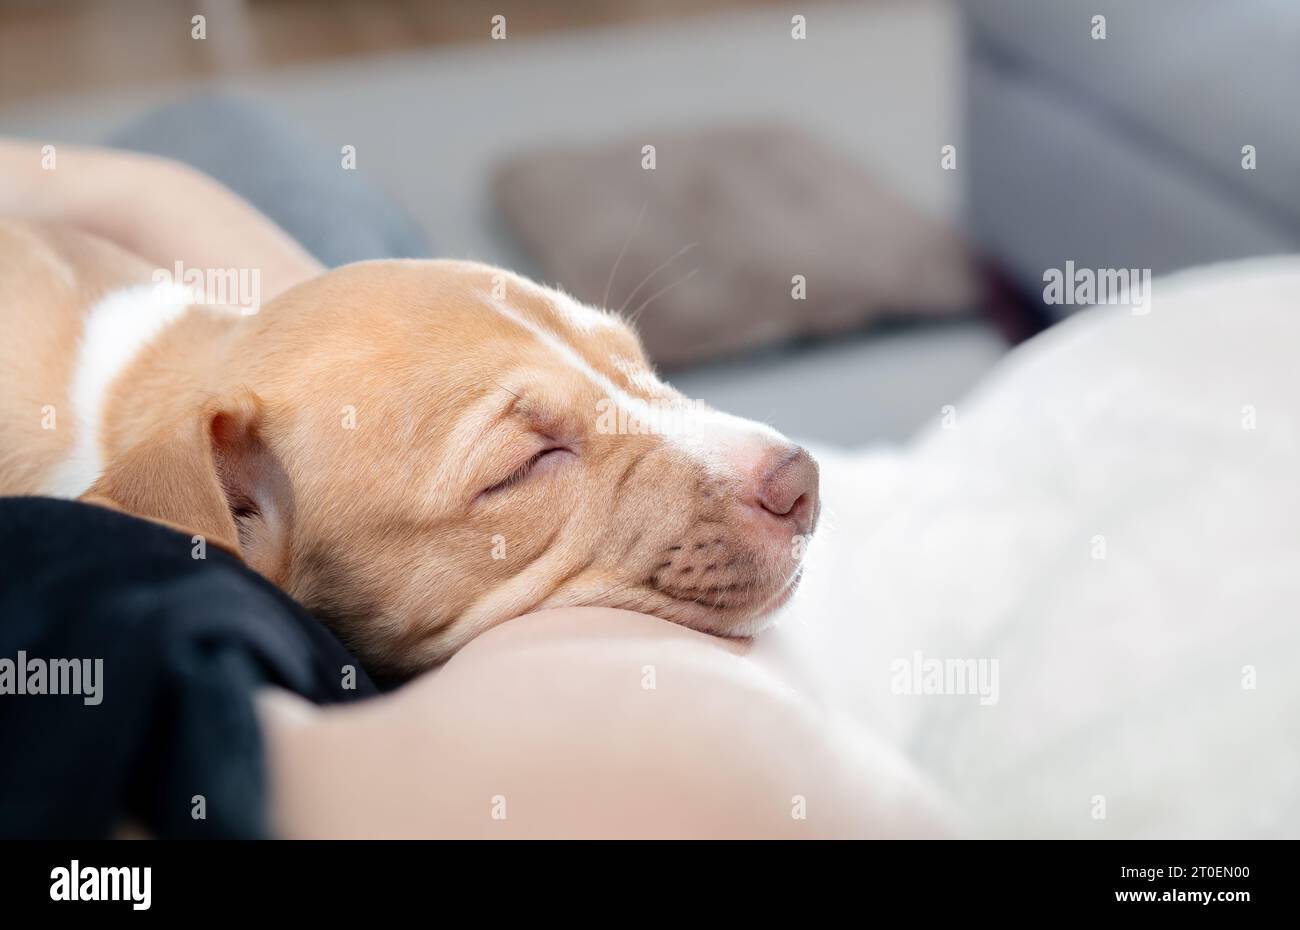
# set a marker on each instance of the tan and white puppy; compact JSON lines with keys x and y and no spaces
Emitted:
{"x":415,"y":450}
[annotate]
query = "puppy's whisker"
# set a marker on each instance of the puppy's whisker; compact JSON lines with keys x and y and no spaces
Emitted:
{"x":659,"y":293}
{"x":604,"y":594}
{"x":626,"y":242}
{"x":506,"y":389}
{"x":660,"y":267}
{"x":637,"y":603}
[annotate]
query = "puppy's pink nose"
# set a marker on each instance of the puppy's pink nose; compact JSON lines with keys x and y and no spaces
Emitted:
{"x":788,"y":491}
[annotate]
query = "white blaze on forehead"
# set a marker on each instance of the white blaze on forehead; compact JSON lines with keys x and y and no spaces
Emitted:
{"x":721,"y":442}
{"x":578,"y":315}
{"x":640,"y":376}
{"x":568,"y":355}
{"x":728,"y":445}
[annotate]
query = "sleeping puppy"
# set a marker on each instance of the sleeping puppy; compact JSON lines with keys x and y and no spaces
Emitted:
{"x":415,"y":450}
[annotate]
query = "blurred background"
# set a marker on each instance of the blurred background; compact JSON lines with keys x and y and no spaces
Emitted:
{"x":798,"y":201}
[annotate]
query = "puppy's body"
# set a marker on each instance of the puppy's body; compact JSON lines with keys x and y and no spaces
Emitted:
{"x":415,"y":450}
{"x":49,"y":279}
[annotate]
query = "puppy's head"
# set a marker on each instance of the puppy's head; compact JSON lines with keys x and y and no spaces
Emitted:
{"x":421,"y":450}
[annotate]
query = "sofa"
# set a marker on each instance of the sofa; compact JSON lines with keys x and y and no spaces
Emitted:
{"x":1127,"y":151}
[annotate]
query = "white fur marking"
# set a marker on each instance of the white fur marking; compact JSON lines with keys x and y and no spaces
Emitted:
{"x":713,"y":432}
{"x":114,"y":332}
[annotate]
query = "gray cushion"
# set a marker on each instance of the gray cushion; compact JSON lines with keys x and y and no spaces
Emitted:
{"x":338,"y":215}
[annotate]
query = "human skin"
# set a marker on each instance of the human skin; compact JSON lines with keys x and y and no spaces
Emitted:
{"x":159,"y":209}
{"x":587,"y":723}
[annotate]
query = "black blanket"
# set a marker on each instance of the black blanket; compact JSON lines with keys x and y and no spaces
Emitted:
{"x":164,"y":652}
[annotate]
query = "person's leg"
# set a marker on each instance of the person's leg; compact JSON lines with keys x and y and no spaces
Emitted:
{"x":587,"y":722}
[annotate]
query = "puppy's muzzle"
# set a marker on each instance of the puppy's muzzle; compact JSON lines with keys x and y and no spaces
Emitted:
{"x":785,"y":491}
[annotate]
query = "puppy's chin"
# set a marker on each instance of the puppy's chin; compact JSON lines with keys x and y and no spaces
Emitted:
{"x":735,"y":622}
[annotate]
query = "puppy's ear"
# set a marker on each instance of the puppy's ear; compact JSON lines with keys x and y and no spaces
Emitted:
{"x":211,"y":475}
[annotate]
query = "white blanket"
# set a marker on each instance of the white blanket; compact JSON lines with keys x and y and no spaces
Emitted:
{"x":1114,"y":517}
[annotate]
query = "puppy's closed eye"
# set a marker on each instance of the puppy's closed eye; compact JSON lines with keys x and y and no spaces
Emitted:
{"x":545,"y":460}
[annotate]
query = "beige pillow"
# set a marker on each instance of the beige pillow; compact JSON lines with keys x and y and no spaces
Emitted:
{"x":713,"y":237}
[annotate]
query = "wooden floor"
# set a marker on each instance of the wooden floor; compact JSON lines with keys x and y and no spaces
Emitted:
{"x":66,"y":46}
